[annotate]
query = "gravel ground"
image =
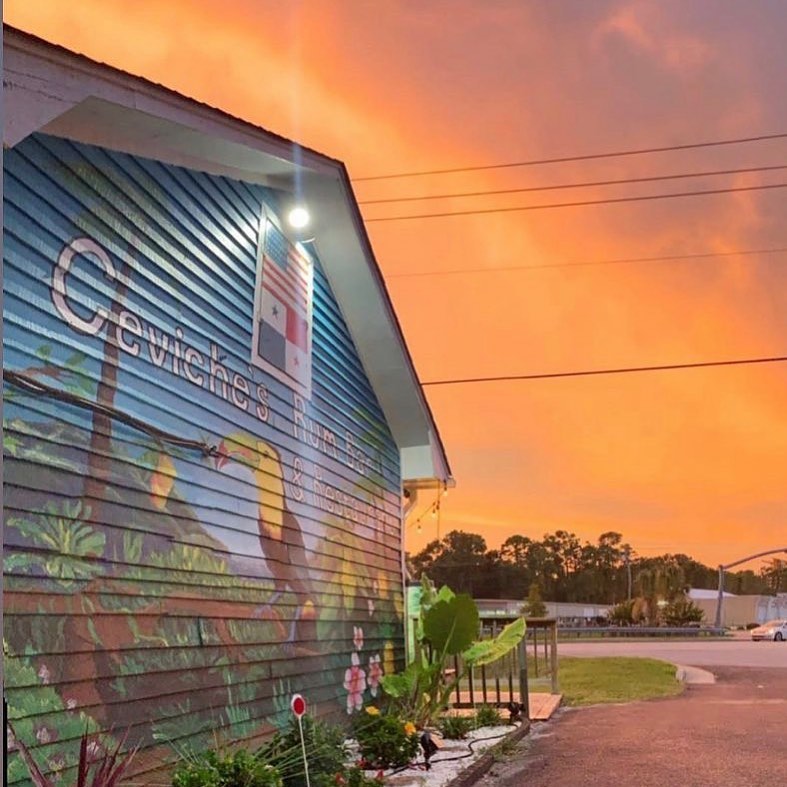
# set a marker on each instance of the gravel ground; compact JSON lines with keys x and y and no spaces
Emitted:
{"x":453,"y":758}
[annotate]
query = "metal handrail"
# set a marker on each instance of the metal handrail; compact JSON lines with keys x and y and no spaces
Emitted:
{"x":643,"y":631}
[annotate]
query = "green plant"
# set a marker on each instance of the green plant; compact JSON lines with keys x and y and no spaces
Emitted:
{"x":355,"y":776}
{"x":97,"y":766}
{"x":212,"y":769}
{"x":682,"y":612}
{"x":534,"y":606}
{"x":447,"y":626}
{"x":385,"y":740}
{"x":455,"y":727}
{"x":487,"y":716}
{"x":325,"y":751}
{"x":622,"y":614}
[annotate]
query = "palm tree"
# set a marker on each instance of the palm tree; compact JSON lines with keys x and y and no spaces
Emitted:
{"x":663,"y":581}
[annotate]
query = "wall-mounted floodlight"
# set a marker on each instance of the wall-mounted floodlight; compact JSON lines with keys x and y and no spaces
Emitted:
{"x":298,"y":217}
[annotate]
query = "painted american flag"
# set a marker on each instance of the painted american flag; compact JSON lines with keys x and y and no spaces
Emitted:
{"x":282,"y":341}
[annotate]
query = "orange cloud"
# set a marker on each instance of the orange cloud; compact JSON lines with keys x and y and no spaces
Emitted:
{"x":680,"y":461}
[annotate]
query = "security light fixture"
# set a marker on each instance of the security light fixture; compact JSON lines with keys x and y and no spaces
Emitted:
{"x":298,"y":218}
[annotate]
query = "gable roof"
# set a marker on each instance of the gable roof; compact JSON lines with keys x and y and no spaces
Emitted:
{"x":52,"y":90}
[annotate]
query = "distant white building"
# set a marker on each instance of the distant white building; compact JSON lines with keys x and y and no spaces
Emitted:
{"x":695,"y":594}
{"x":566,"y":613}
{"x":740,"y":610}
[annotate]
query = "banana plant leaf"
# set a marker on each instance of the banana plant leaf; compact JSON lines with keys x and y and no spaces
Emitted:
{"x":489,"y":650}
{"x":403,"y":684}
{"x":451,"y":626}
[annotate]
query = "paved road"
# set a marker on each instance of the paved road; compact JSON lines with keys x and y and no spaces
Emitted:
{"x":719,"y":653}
{"x":728,"y":734}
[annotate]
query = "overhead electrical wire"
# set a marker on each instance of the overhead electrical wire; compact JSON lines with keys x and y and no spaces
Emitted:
{"x":28,"y":383}
{"x":597,"y":372}
{"x":584,"y":263}
{"x":579,"y":203}
{"x":586,"y":184}
{"x":584,"y":157}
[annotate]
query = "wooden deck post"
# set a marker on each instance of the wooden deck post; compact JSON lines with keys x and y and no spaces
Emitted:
{"x":555,"y":683}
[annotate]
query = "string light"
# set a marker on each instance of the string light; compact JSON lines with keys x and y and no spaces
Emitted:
{"x":417,"y":522}
{"x":433,"y":510}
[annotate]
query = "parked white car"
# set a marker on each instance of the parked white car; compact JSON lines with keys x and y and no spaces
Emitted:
{"x":775,"y":630}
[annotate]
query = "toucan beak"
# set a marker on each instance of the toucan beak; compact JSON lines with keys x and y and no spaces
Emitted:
{"x":221,"y":457}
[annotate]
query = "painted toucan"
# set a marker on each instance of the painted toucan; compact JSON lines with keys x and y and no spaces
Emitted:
{"x":162,"y":479}
{"x":281,"y":538}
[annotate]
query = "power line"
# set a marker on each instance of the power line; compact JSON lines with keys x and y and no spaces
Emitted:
{"x":650,"y":179}
{"x":581,"y":203}
{"x":584,"y":263}
{"x":585,"y":157}
{"x":594,"y":372}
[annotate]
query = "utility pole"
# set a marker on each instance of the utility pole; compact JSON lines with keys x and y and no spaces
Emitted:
{"x":723,"y":568}
{"x":627,"y":558}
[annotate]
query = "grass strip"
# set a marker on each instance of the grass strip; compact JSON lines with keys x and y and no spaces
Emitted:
{"x":588,"y":681}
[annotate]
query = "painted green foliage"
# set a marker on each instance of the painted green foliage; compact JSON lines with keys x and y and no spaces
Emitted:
{"x":148,"y":585}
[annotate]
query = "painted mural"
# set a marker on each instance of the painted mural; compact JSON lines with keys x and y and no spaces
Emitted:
{"x":201,"y":492}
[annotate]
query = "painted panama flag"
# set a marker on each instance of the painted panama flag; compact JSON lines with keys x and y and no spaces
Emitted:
{"x":282,"y":339}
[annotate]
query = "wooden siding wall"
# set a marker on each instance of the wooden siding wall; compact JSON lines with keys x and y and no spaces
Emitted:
{"x":148,"y":585}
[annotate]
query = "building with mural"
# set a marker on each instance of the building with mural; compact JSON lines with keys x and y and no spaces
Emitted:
{"x":211,"y":422}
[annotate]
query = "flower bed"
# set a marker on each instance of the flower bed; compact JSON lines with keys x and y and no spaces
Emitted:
{"x":453,"y":760}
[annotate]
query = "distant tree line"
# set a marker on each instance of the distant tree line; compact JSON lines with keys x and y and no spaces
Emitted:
{"x":567,"y":569}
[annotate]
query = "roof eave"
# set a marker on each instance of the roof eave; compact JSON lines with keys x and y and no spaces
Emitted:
{"x":52,"y":90}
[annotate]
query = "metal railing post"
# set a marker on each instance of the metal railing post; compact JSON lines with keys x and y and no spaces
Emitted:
{"x":523,"y":689}
{"x":535,"y":649}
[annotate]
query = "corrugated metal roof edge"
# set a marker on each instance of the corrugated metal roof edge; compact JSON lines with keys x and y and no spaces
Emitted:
{"x":34,"y":40}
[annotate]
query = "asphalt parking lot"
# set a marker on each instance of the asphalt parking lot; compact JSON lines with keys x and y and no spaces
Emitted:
{"x":730,"y":733}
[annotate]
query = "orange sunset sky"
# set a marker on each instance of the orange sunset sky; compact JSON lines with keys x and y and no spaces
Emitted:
{"x":688,"y":461}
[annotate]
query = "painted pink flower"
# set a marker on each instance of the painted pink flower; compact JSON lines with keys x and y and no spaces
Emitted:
{"x":375,"y":673}
{"x":44,"y":735}
{"x":371,"y":607}
{"x":71,"y":703}
{"x":355,"y":683}
{"x":44,"y":673}
{"x":357,"y":637}
{"x":94,"y":750}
